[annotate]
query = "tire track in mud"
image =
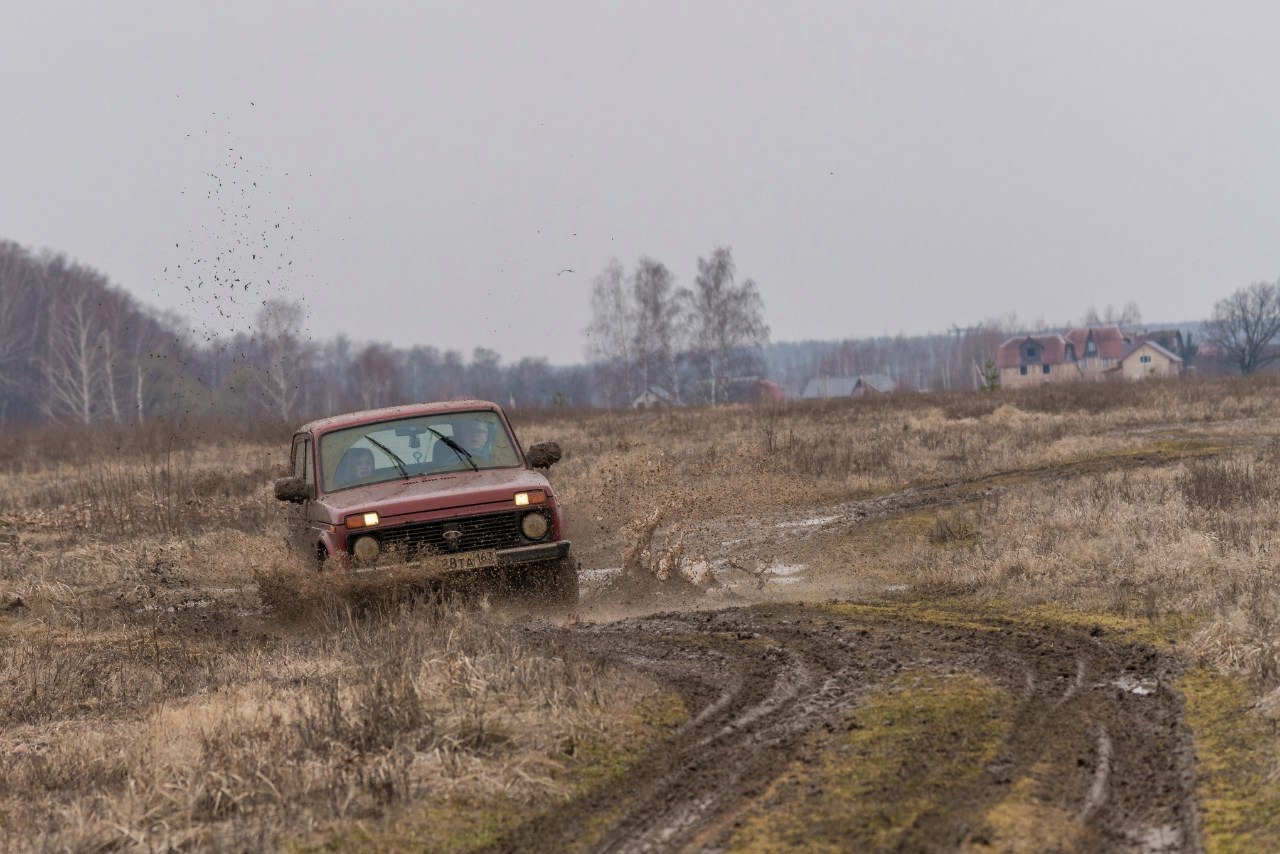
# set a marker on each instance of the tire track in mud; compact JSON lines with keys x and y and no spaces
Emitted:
{"x":771,"y":535}
{"x":760,"y":682}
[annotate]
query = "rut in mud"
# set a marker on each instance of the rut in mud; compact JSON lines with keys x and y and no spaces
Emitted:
{"x":1095,"y":737}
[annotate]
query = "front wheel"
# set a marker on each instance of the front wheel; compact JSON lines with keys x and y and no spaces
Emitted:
{"x":556,"y":582}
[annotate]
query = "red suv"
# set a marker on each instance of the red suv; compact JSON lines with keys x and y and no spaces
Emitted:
{"x":442,"y":487}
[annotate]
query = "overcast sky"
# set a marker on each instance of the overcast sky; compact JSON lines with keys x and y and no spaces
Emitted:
{"x":424,"y":173}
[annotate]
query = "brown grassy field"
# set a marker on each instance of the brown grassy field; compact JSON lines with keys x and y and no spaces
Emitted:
{"x":170,"y":676}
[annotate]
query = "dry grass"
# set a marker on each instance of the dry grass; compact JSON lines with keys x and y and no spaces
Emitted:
{"x":172,"y":736}
{"x":1197,"y":539}
{"x":147,"y":697}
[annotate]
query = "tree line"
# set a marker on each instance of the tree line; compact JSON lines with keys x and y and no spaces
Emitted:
{"x":75,"y":348}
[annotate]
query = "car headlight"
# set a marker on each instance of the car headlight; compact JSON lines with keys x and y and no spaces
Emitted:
{"x":535,"y":526}
{"x":362,"y":520}
{"x":365,"y":550}
{"x":533,"y":496}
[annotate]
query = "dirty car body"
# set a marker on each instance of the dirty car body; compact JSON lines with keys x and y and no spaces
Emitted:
{"x":443,"y":488}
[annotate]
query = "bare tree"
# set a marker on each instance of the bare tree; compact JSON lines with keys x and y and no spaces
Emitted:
{"x":610,"y":335}
{"x":485,"y":374}
{"x":529,"y":382}
{"x":1130,"y":315}
{"x":375,"y":374}
{"x":657,"y":319}
{"x":1244,"y":324}
{"x":278,"y":326}
{"x":74,"y":362}
{"x":419,"y":367}
{"x":20,"y":302}
{"x":726,"y":320}
{"x":452,"y":377}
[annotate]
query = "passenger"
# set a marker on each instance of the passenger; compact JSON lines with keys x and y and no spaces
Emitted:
{"x":355,"y":466}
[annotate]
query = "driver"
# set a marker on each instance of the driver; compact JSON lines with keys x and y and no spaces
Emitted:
{"x":473,"y":435}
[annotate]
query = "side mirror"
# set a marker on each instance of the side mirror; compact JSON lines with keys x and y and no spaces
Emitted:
{"x":292,"y":489}
{"x":543,"y":455}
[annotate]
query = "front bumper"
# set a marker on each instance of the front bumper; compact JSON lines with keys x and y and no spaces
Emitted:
{"x":533,"y":554}
{"x":518,"y":556}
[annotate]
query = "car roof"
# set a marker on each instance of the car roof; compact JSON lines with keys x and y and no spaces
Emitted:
{"x":389,"y":413}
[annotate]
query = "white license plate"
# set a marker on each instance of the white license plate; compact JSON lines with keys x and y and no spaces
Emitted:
{"x":462,"y":560}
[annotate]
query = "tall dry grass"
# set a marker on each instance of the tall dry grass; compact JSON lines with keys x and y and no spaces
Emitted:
{"x":1196,"y":540}
{"x":221,"y":736}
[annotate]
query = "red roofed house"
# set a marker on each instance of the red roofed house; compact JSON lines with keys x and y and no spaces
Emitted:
{"x":1098,"y":349}
{"x":1035,"y":360}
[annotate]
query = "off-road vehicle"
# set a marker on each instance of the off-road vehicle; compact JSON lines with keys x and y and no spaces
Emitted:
{"x":443,"y":489}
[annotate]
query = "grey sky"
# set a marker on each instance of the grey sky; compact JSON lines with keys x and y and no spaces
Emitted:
{"x":877,"y":168}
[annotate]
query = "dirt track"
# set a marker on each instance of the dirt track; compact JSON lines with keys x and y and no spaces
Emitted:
{"x":1094,"y":753}
{"x":1095,"y":731}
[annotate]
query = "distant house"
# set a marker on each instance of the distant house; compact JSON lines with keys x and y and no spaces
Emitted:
{"x":1037,"y":359}
{"x":652,"y":397}
{"x":752,"y":389}
{"x":1148,"y":359}
{"x":1170,"y":339}
{"x":820,"y":388}
{"x":770,"y":392}
{"x":1091,"y":353}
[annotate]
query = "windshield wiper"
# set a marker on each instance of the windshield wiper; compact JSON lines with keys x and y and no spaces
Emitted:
{"x":461,"y":451}
{"x":399,"y":463}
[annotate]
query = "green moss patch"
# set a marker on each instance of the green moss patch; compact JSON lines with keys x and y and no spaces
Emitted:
{"x":901,"y":756}
{"x":1163,"y":631}
{"x":1188,"y":447}
{"x":607,"y":756}
{"x":1237,"y":758}
{"x":449,"y":824}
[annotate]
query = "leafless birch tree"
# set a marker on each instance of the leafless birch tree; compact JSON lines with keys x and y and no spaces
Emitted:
{"x":278,"y":331}
{"x":74,"y":362}
{"x":726,"y":320}
{"x":657,"y":319}
{"x":609,"y":337}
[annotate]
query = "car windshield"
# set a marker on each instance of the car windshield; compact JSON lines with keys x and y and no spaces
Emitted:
{"x":408,"y":447}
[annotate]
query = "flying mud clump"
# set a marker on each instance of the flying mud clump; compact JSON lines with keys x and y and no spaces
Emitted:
{"x":656,"y":563}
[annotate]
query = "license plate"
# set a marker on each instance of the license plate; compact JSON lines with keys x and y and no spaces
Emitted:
{"x":463,"y":560}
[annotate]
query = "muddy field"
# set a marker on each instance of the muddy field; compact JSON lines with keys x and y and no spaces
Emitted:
{"x":1028,"y":622}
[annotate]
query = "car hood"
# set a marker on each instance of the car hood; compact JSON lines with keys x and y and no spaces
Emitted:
{"x":435,"y":492}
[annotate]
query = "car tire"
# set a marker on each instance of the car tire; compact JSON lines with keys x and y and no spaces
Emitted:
{"x":556,"y":582}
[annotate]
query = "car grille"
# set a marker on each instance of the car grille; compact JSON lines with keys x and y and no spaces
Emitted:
{"x":490,"y":531}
